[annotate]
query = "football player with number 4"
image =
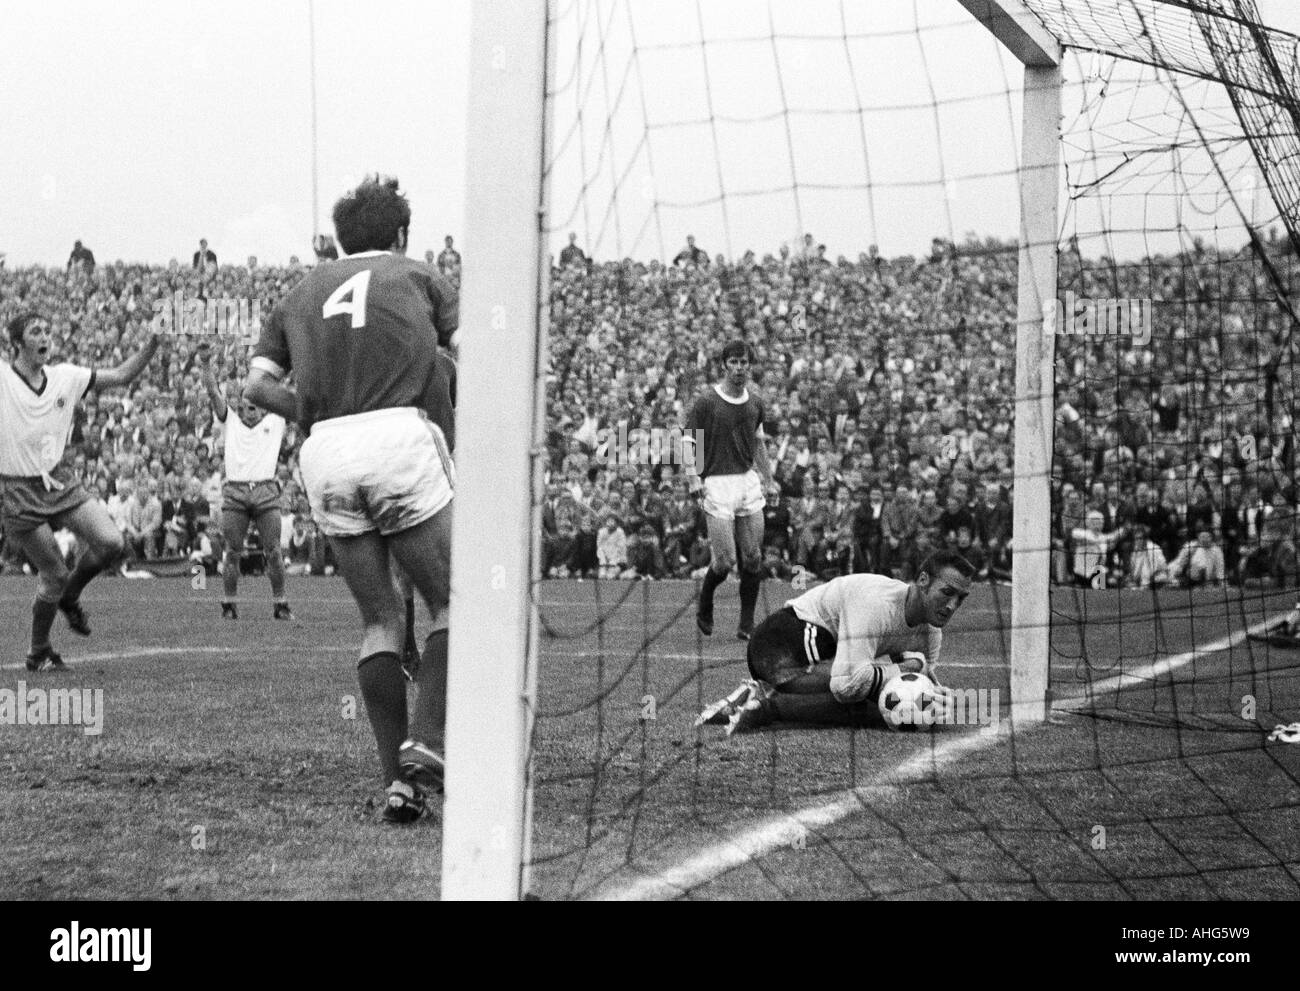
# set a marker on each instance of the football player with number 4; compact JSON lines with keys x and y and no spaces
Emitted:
{"x":824,"y":658}
{"x":361,"y":336}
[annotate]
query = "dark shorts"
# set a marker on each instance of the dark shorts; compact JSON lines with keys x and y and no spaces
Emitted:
{"x":25,"y":503}
{"x":250,"y":498}
{"x":784,"y":646}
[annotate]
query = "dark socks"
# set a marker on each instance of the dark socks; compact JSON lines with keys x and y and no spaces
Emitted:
{"x":383,"y":687}
{"x":87,"y":568}
{"x":429,"y":723}
{"x":410,"y":625}
{"x":712,"y":579}
{"x":749,"y":582}
{"x":43,"y":614}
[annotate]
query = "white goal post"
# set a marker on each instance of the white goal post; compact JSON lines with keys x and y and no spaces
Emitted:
{"x":486,"y":816}
{"x":1039,"y":182}
{"x":503,"y":311}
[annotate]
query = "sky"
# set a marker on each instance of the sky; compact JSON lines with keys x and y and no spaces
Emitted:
{"x":141,"y":126}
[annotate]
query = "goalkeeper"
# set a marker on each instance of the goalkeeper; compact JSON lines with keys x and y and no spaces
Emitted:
{"x":823,"y":659}
{"x":1283,"y":633}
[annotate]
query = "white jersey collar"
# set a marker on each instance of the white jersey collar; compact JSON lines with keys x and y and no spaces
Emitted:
{"x":744,"y":398}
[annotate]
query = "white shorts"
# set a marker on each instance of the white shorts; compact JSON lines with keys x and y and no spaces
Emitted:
{"x":729,"y":496}
{"x":387,"y":470}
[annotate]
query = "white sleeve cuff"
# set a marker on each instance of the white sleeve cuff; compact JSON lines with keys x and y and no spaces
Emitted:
{"x":267,"y":365}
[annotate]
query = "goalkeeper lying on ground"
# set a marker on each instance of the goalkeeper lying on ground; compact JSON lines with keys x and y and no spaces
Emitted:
{"x":1283,"y":633}
{"x":823,"y":658}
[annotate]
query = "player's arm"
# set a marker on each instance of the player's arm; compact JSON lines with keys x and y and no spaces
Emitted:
{"x":111,"y":378}
{"x":692,"y":453}
{"x":265,"y":389}
{"x":854,"y":671}
{"x":444,"y":302}
{"x":204,"y":357}
{"x":271,"y":363}
{"x":760,"y":457}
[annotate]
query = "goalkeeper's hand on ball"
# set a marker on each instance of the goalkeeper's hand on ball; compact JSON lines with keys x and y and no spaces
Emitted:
{"x":945,"y":700}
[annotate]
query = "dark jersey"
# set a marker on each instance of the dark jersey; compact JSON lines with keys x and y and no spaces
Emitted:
{"x":362,"y":334}
{"x":729,"y":432}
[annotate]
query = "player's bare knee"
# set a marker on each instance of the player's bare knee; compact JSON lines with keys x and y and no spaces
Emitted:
{"x":53,"y":584}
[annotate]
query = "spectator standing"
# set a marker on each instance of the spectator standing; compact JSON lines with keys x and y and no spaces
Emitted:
{"x":82,"y":258}
{"x":205,"y":259}
{"x":325,"y":248}
{"x":572,"y":256}
{"x":449,"y":259}
{"x":691,"y":255}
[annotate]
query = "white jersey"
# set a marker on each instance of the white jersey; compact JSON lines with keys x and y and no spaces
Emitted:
{"x":252,"y":452}
{"x":865,"y":615}
{"x":35,"y":425}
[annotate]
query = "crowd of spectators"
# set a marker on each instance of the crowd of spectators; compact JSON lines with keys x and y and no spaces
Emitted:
{"x":888,"y":386}
{"x":888,"y":389}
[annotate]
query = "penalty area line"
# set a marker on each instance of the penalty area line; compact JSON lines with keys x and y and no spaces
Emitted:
{"x":777,"y":832}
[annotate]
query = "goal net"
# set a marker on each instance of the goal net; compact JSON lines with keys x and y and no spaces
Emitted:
{"x":854,"y":190}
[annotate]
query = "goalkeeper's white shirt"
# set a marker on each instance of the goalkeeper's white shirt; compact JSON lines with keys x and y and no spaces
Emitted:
{"x":865,"y":615}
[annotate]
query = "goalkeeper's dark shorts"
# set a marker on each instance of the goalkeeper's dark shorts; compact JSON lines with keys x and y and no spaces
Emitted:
{"x":784,"y":646}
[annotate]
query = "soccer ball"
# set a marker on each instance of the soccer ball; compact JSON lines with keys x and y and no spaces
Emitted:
{"x":907,"y":701}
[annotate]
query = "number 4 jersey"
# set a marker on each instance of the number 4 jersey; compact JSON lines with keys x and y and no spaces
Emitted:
{"x":362,"y":334}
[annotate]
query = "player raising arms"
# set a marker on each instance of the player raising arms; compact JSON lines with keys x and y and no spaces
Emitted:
{"x":829,"y":651}
{"x":251,"y":492}
{"x":734,"y":472}
{"x":360,"y":336}
{"x":38,"y":494}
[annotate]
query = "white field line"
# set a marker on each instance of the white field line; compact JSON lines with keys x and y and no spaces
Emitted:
{"x":781,"y":831}
{"x":139,"y":652}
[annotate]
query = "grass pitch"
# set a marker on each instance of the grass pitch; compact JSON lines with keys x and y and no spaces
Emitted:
{"x":236,"y":760}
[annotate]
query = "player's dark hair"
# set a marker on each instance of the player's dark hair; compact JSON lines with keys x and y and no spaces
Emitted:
{"x":368,"y":218}
{"x":17,"y":327}
{"x":939,"y":560}
{"x":736,"y":349}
